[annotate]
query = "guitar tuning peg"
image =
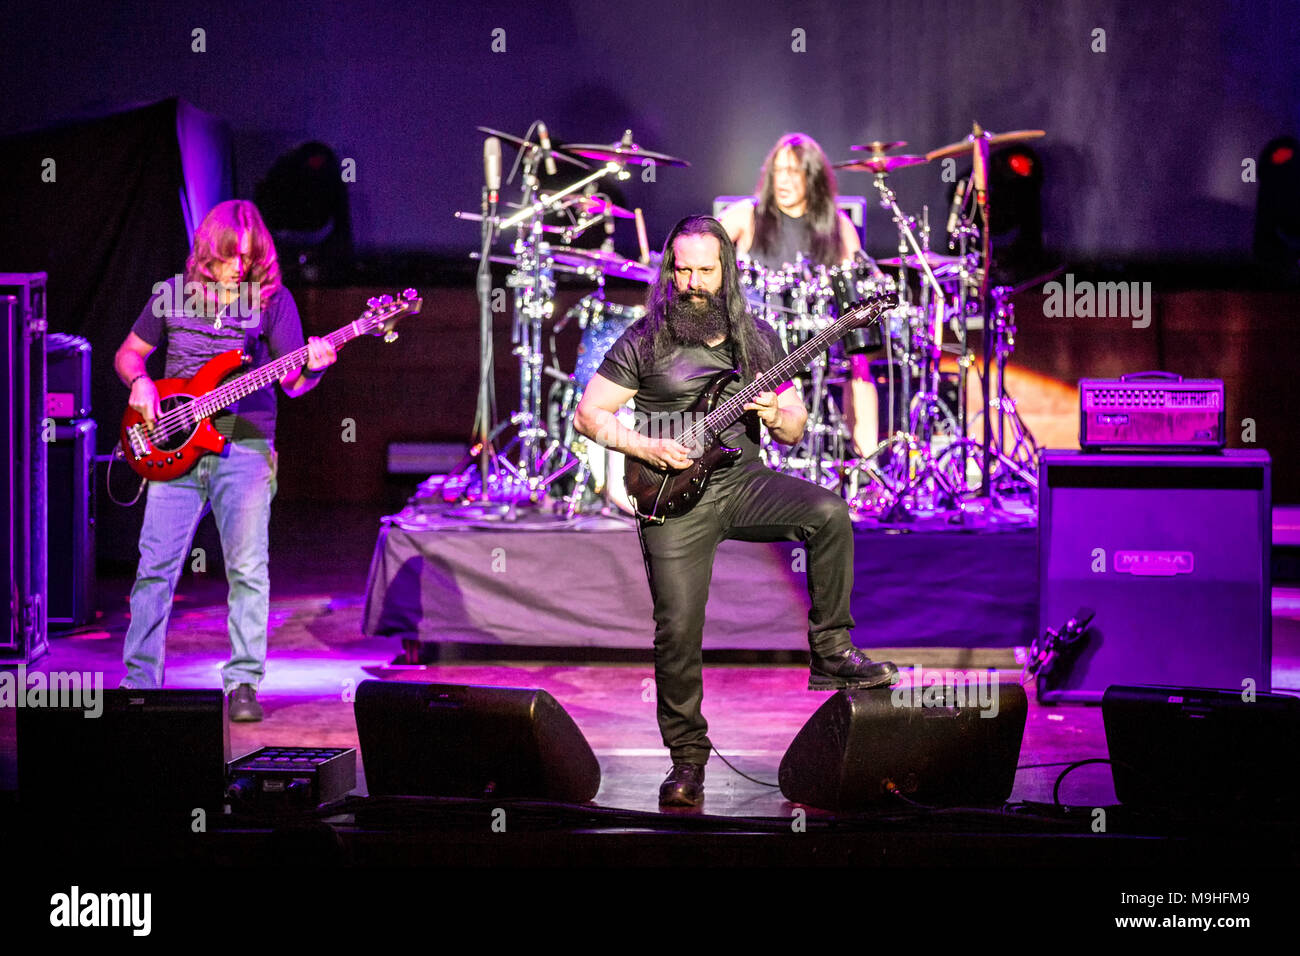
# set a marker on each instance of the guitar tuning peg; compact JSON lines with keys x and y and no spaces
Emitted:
{"x":373,"y":302}
{"x":390,"y":336}
{"x":385,"y":300}
{"x":410,"y":295}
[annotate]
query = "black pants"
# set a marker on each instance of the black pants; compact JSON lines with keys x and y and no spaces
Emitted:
{"x":747,"y":503}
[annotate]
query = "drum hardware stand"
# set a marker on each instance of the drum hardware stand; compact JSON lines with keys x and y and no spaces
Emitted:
{"x":540,"y":459}
{"x":925,"y":472}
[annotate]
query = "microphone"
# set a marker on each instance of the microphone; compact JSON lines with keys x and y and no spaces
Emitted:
{"x":545,"y":138}
{"x":958,"y":201}
{"x":492,"y":167}
{"x":980,"y":168}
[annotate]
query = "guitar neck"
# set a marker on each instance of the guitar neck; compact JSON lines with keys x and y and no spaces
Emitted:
{"x":232,"y":391}
{"x":796,"y":361}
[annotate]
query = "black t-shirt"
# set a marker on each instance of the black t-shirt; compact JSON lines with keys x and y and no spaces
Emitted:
{"x":667,"y":390}
{"x":193,"y":337}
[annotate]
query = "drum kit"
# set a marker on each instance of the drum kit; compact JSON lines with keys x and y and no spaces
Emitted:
{"x":929,"y":463}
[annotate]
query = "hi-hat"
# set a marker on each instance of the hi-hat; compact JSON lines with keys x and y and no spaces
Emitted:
{"x":623,"y":153}
{"x":520,"y":141}
{"x":994,"y":139}
{"x":935,"y":260}
{"x":596,"y":206}
{"x":880,"y":164}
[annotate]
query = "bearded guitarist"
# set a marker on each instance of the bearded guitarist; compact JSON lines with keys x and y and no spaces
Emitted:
{"x":697,"y":326}
{"x":230,"y":297}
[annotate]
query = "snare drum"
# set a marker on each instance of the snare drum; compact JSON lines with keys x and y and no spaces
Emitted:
{"x":602,"y":323}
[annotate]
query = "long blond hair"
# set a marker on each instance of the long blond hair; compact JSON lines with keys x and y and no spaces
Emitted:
{"x":219,"y":237}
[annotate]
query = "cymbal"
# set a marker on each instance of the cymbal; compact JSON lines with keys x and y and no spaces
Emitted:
{"x":936,"y":261}
{"x":476,"y":217}
{"x":623,"y":153}
{"x":596,"y":206}
{"x":518,"y":141}
{"x":994,"y":139}
{"x":610,"y":263}
{"x":877,"y":147}
{"x":880,"y":164}
{"x":512,"y":261}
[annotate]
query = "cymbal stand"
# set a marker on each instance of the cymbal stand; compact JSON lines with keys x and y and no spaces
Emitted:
{"x":540,"y":458}
{"x":920,"y":470}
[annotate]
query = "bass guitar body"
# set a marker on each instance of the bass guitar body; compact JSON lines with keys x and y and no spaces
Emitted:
{"x":180,"y":451}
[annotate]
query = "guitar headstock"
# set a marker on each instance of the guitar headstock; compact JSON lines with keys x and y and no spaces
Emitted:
{"x":385,"y":311}
{"x":867,"y":310}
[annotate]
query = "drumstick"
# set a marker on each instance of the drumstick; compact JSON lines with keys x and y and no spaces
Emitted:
{"x":640,"y":235}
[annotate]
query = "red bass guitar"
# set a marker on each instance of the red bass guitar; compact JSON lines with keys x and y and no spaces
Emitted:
{"x":183,"y":433}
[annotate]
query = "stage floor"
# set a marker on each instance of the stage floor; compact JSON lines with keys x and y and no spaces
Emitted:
{"x":319,"y":654}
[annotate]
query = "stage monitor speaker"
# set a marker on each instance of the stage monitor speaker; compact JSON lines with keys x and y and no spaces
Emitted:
{"x":71,"y":469}
{"x":454,"y":740}
{"x":938,"y":746}
{"x":138,"y":753}
{"x":1202,"y":751}
{"x":1172,"y":553}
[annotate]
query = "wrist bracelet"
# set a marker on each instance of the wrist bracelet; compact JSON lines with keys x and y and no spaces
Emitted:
{"x":137,"y":378}
{"x":312,"y":373}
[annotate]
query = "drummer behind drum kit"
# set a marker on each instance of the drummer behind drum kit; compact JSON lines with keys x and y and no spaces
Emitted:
{"x":927,"y":465}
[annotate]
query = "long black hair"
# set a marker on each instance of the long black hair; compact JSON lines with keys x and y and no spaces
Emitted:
{"x":819,"y":191}
{"x":753,"y":351}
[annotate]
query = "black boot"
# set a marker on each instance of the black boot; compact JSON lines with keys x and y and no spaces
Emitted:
{"x":850,"y":670}
{"x":684,"y":786}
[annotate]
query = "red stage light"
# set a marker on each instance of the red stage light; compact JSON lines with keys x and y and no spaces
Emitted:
{"x":1021,"y":164}
{"x":1281,"y":155}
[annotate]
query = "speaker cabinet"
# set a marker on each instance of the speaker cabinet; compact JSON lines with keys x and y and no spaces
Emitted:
{"x":454,"y":740}
{"x":67,"y":374}
{"x":23,"y":311}
{"x":935,"y":745}
{"x":1203,"y":751}
{"x":139,"y":753}
{"x":71,"y":467}
{"x":1172,"y":553}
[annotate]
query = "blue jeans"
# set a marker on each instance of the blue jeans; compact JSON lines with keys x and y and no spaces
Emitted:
{"x":239,"y":485}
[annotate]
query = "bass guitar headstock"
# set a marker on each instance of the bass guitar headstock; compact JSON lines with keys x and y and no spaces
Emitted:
{"x":385,"y":311}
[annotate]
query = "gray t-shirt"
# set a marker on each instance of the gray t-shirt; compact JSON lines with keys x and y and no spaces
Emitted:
{"x":192,"y":338}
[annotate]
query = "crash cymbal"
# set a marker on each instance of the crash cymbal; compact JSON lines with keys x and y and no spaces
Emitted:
{"x":994,"y":139}
{"x":880,"y":164}
{"x":625,"y":152}
{"x":877,"y":147}
{"x":518,"y":141}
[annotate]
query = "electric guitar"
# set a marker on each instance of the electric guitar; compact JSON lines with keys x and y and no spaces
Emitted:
{"x":182,"y":433}
{"x":662,"y":493}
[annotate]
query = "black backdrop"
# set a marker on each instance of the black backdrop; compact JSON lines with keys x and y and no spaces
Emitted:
{"x":1143,"y":158}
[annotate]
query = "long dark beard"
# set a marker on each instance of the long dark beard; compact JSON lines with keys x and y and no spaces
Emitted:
{"x":696,"y":317}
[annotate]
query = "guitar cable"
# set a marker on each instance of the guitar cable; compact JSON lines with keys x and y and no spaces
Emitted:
{"x":108,"y":481}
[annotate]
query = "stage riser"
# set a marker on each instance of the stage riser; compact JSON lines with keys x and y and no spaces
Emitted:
{"x":588,"y":589}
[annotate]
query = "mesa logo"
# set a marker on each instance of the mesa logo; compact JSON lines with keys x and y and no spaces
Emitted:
{"x":1158,"y":563}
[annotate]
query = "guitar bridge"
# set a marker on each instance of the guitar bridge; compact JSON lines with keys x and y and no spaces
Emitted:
{"x":139,"y":441}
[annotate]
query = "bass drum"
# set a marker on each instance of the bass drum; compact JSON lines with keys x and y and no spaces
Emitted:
{"x":604,"y":467}
{"x":602,"y":324}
